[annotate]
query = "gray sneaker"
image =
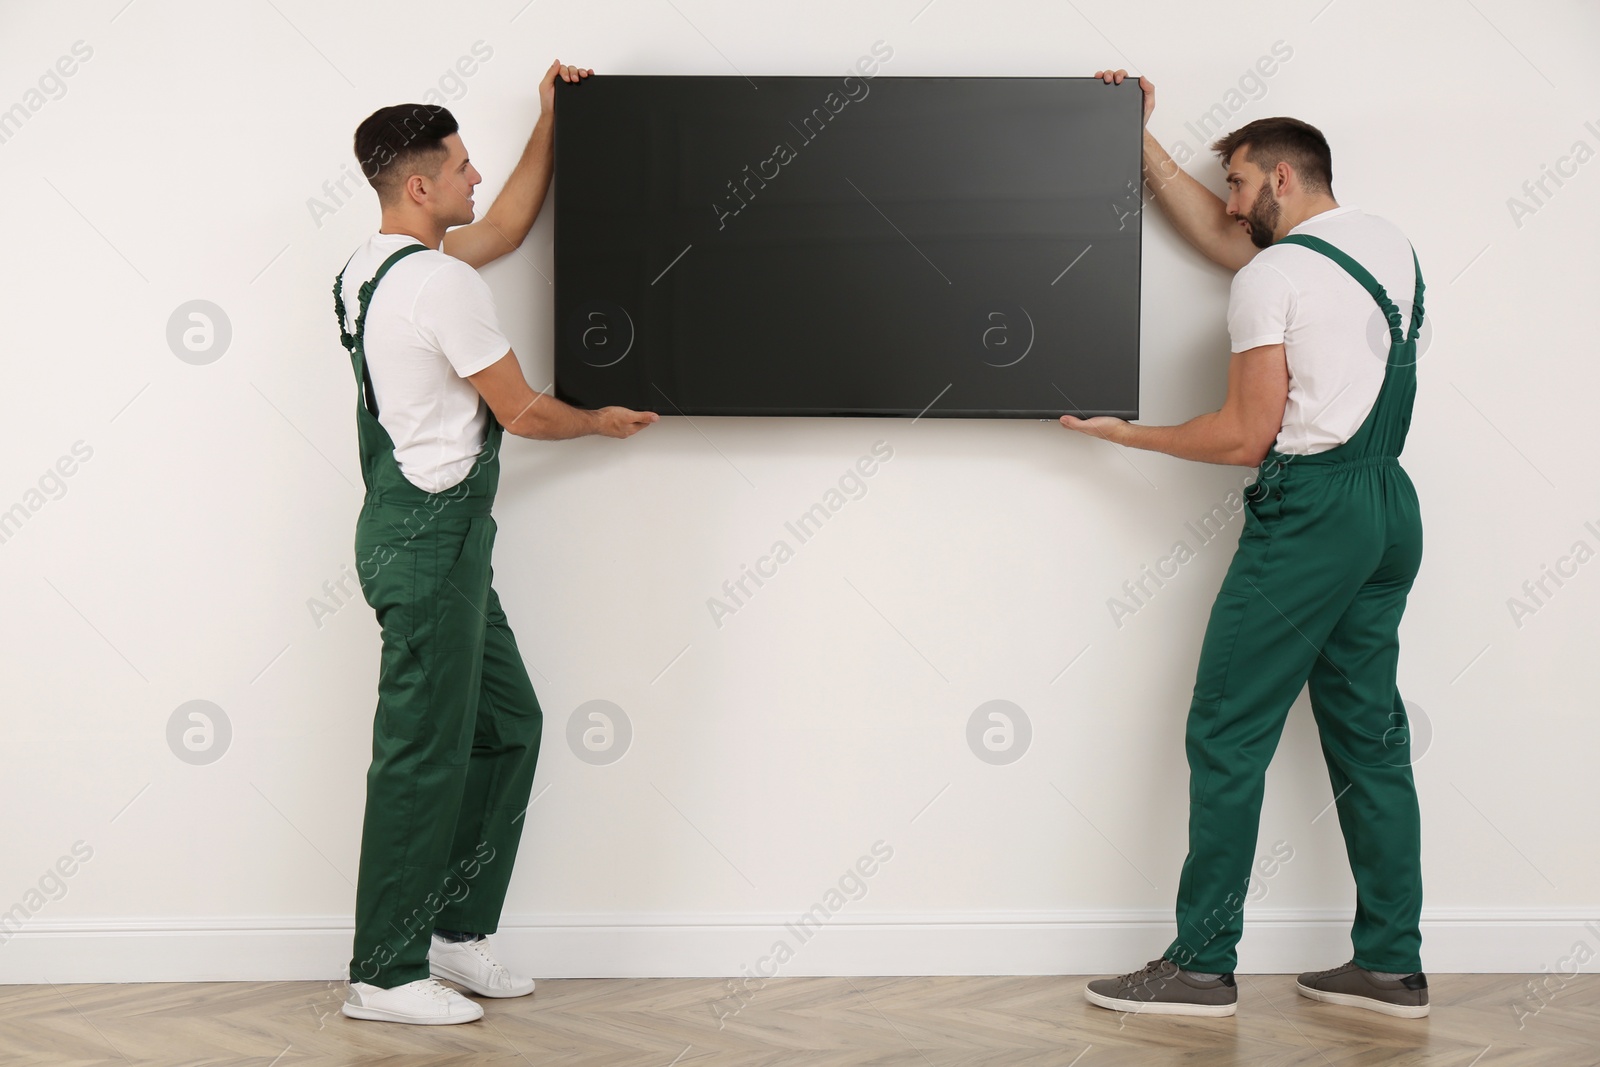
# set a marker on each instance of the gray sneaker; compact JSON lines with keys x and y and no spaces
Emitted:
{"x":1161,"y":988}
{"x":1357,"y":987}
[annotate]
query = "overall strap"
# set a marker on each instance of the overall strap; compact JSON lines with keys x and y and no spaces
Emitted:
{"x":1370,"y":284}
{"x":1416,"y":302}
{"x":356,"y":343}
{"x":346,"y":338}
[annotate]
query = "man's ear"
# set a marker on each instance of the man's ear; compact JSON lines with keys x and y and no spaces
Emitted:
{"x":1284,"y":171}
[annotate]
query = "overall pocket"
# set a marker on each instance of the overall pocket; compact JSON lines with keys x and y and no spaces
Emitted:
{"x":450,"y":587}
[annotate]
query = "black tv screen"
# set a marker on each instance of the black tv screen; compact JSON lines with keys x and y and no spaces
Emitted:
{"x":940,"y":247}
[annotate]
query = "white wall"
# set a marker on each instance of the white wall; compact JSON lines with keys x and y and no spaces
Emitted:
{"x":831,"y":711}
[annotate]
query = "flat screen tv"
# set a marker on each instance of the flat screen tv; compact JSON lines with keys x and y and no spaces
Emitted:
{"x":892,"y":246}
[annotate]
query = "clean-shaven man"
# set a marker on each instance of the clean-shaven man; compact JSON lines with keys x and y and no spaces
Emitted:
{"x":456,"y":734}
{"x":1331,"y":543}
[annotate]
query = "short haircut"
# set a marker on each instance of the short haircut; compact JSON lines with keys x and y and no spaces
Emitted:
{"x":1268,"y":142}
{"x":395,"y":142}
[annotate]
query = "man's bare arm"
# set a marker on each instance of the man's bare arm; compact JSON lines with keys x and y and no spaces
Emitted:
{"x":540,"y":416}
{"x":1241,"y":433}
{"x":1196,"y":212}
{"x":507,"y":222}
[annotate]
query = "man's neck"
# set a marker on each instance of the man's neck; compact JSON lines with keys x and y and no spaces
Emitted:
{"x":1312,"y":207}
{"x":422,"y":230}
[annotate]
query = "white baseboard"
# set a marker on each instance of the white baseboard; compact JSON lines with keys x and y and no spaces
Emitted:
{"x":610,"y":946}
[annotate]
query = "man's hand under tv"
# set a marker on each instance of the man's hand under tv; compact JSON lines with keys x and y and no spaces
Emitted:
{"x":623,"y":422}
{"x":1240,"y":433}
{"x":1114,"y":77}
{"x":542,"y":417}
{"x":1105,"y":427}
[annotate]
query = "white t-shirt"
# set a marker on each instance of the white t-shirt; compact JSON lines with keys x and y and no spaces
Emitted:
{"x":1334,"y":336}
{"x":432,"y":322}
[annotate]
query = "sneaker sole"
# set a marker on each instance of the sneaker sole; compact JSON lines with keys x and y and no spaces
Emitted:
{"x":473,"y":987}
{"x":1355,"y":1000}
{"x":1144,"y":1007}
{"x":383,"y":1016}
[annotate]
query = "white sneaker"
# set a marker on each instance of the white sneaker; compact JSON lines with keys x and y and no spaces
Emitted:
{"x":470,"y":963}
{"x":424,"y":1001}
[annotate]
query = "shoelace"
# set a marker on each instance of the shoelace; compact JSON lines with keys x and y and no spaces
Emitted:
{"x":1150,"y":970}
{"x":1334,"y":970}
{"x":498,"y":972}
{"x":432,"y":987}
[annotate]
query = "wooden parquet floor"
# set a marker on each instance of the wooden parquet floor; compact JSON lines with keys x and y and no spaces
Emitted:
{"x":825,"y":1022}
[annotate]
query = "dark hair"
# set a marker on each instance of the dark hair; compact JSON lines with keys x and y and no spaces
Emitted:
{"x":393,"y":142}
{"x":1269,"y":142}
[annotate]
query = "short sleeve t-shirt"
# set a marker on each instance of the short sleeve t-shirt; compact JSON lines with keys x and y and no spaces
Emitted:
{"x":1335,"y":338}
{"x":432,"y":323}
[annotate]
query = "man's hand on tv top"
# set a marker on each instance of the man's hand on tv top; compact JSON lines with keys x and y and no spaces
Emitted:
{"x":1114,"y":77}
{"x":547,"y":86}
{"x":623,"y":422}
{"x":504,"y":227}
{"x":1199,"y":214}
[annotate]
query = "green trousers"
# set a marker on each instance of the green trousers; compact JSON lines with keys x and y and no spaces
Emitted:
{"x":1330,"y":546}
{"x":455,"y":745}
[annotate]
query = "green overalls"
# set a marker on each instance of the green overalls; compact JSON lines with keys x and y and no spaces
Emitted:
{"x":1330,"y":546}
{"x":456,"y":735}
